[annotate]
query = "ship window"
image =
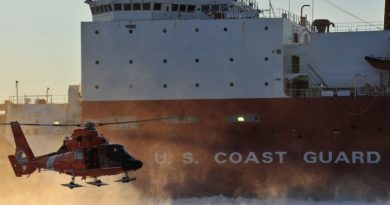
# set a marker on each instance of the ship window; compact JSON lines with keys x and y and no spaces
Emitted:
{"x":196,"y":30}
{"x":97,"y":62}
{"x":182,"y":7}
{"x":231,"y":84}
{"x":296,"y":38}
{"x":197,"y":60}
{"x":109,"y":7}
{"x":118,"y":7}
{"x":165,"y":85}
{"x":157,"y":7}
{"x":105,"y":8}
{"x":266,"y":58}
{"x":93,"y":10}
{"x":197,"y":85}
{"x":130,"y":61}
{"x":78,"y":155}
{"x":205,"y":8}
{"x":167,"y":8}
{"x":225,"y":29}
{"x":175,"y":7}
{"x":224,"y":7}
{"x":191,"y":8}
{"x":215,"y":7}
{"x":136,"y":6}
{"x":231,"y":59}
{"x":165,"y":61}
{"x":127,"y":7}
{"x":146,"y":6}
{"x":101,"y":9}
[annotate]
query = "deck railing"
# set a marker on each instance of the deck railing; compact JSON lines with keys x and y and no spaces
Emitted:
{"x":332,"y":92}
{"x":39,"y":99}
{"x":357,"y":26}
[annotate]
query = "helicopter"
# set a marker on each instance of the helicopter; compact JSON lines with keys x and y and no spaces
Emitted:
{"x":86,"y":154}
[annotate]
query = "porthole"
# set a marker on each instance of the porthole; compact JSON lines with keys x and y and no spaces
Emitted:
{"x":164,"y":30}
{"x":165,"y":86}
{"x":196,"y":30}
{"x":197,"y":60}
{"x":130,"y":31}
{"x":266,"y":58}
{"x":231,"y":84}
{"x":197,"y":85}
{"x":225,"y":28}
{"x":165,"y":61}
{"x":336,"y":131}
{"x":266,"y":28}
{"x":96,"y":87}
{"x":97,"y":62}
{"x":130,"y":61}
{"x":266,"y":83}
{"x":96,"y":32}
{"x":231,"y":59}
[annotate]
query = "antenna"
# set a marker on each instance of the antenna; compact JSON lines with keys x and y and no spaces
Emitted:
{"x":312,"y":11}
{"x":17,"y":91}
{"x":271,"y":9}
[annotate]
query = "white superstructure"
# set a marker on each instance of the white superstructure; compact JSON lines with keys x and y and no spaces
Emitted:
{"x":217,"y":50}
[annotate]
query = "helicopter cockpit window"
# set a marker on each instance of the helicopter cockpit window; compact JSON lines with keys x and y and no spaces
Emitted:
{"x":116,"y":152}
{"x":78,"y":155}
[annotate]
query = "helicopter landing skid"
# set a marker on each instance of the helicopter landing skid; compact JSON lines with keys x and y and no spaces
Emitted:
{"x":97,"y":183}
{"x":126,"y":179}
{"x":72,"y":185}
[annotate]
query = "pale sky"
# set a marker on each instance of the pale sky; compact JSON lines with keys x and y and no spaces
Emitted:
{"x":40,"y":40}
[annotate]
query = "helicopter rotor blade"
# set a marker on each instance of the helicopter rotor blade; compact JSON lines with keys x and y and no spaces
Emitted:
{"x":95,"y":124}
{"x":135,"y":121}
{"x":51,"y":125}
{"x":45,"y":125}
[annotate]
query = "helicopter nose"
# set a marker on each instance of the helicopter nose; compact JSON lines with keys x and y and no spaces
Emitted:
{"x":132,"y":164}
{"x":138,"y":164}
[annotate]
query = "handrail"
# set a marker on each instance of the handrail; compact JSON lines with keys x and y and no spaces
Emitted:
{"x":39,"y":99}
{"x":318,"y":93}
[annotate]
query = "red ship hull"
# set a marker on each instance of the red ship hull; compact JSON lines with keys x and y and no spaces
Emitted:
{"x":315,"y":148}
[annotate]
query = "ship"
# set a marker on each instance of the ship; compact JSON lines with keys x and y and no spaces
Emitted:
{"x":269,"y":104}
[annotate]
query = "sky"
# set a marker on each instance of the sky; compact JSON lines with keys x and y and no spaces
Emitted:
{"x":40,"y":40}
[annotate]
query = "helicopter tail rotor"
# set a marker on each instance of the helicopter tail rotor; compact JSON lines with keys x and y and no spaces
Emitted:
{"x":23,"y":154}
